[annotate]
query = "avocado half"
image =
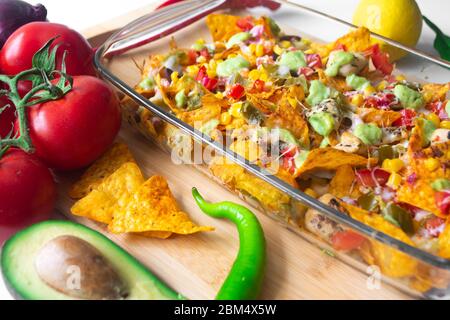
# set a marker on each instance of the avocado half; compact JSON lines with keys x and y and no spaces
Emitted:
{"x":18,"y":263}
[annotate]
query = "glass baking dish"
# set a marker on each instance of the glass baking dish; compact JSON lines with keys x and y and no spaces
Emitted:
{"x":120,"y":57}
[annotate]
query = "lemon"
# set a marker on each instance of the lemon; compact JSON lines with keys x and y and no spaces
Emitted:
{"x":400,"y":20}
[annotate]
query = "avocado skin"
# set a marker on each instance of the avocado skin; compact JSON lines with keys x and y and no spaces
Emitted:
{"x":8,"y":247}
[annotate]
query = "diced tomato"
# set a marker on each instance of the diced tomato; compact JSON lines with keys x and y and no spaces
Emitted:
{"x":207,"y":82}
{"x":306,"y":71}
{"x":259,"y":85}
{"x":383,"y":101}
{"x":245,"y":23}
{"x":201,"y":74}
{"x":433,"y":225}
{"x":347,"y":240}
{"x":236,"y":91}
{"x":191,"y":57}
{"x":372,"y":177}
{"x":442,"y":200}
{"x":380,"y":60}
{"x":314,"y":61}
{"x":438,"y":108}
{"x":289,"y":154}
{"x":205,"y":53}
{"x":407,"y":119}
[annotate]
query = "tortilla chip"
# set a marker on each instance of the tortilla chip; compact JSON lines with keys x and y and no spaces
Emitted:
{"x":444,"y":242}
{"x":153,"y":208}
{"x":101,"y":203}
{"x":433,"y":92}
{"x":337,"y":83}
{"x":155,"y":234}
{"x":222,"y":26}
{"x":211,"y":109}
{"x":355,"y":41}
{"x":109,"y":162}
{"x":331,"y":159}
{"x":382,"y":118}
{"x":391,"y":261}
{"x":344,"y":184}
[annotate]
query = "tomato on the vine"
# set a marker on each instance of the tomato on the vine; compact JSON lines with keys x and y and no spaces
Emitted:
{"x":27,"y":192}
{"x":70,"y":133}
{"x":19,"y":49}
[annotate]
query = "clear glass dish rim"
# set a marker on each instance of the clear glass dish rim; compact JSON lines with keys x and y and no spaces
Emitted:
{"x":296,"y":194}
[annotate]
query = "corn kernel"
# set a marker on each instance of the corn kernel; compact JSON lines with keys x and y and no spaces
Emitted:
{"x":232,"y":55}
{"x":235,"y":110}
{"x":368,"y":90}
{"x":285,"y":44}
{"x":434,"y":118}
{"x":201,"y":59}
{"x":200,"y":41}
{"x":310,"y":192}
{"x":357,"y":100}
{"x":211,"y":72}
{"x":400,"y":77}
{"x":225,"y":118}
{"x":254,"y":74}
{"x":309,"y":51}
{"x":264,"y":76}
{"x":192,"y":70}
{"x":445,"y":124}
{"x":394,"y":180}
{"x":252,"y":47}
{"x":382,"y":85}
{"x":393,"y":165}
{"x":219,"y":95}
{"x":174,"y":77}
{"x":277,"y":50}
{"x":431,"y":164}
{"x":259,"y":51}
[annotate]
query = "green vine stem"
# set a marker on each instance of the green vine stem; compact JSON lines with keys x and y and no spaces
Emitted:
{"x":44,"y":89}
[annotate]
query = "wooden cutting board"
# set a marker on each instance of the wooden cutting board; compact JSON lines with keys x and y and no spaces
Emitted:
{"x":196,"y":265}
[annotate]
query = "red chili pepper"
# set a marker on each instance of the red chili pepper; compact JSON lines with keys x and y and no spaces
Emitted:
{"x":314,"y":61}
{"x":236,"y":91}
{"x":259,"y":85}
{"x":245,"y":23}
{"x":407,"y":119}
{"x":347,"y":240}
{"x":442,"y":200}
{"x":380,"y":59}
{"x":372,"y":177}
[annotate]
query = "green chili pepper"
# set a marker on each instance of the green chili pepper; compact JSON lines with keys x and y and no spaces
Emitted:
{"x":246,"y":276}
{"x":402,"y":218}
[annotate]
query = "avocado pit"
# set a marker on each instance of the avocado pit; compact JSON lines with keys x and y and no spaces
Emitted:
{"x":74,"y":267}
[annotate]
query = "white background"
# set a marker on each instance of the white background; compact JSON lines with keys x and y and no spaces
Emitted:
{"x":83,"y":14}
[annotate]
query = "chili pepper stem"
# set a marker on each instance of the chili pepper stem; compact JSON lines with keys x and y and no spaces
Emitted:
{"x":246,"y":275}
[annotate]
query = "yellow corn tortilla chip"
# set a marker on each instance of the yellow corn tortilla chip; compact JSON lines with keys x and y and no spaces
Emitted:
{"x":435,"y":91}
{"x":155,"y":234}
{"x":112,"y":160}
{"x":392,"y":262}
{"x":222,"y":26}
{"x":444,"y":242}
{"x":382,"y":118}
{"x":153,"y":208}
{"x":331,"y":159}
{"x":211,"y":109}
{"x":337,"y":83}
{"x":101,"y":203}
{"x":344,"y":184}
{"x":355,"y":41}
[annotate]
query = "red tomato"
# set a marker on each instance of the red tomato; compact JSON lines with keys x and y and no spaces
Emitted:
{"x":259,"y":85}
{"x":407,"y":119}
{"x":434,"y":225}
{"x":7,"y":116}
{"x":207,"y":82}
{"x":17,"y":54}
{"x":347,"y":240}
{"x":438,"y":107}
{"x":442,"y":200}
{"x":72,"y":132}
{"x":245,"y":24}
{"x":380,"y":60}
{"x":236,"y":91}
{"x":27,"y":192}
{"x":372,"y":178}
{"x":314,"y":60}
